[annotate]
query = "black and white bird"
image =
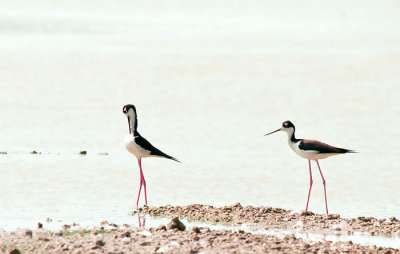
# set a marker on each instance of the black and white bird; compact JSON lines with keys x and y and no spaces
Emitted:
{"x":310,"y":150}
{"x":139,"y":146}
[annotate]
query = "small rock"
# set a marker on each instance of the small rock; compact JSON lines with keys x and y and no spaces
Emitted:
{"x":82,"y":152}
{"x":294,"y":212}
{"x":39,"y":225}
{"x":145,"y":233}
{"x":111,"y":227}
{"x":237,"y":205}
{"x":206,"y":230}
{"x":27,"y":233}
{"x":14,"y":251}
{"x":126,"y":234}
{"x":66,"y":227}
{"x":104,"y":222}
{"x":362,"y":218}
{"x":100,"y":243}
{"x":48,"y":220}
{"x":33,"y":152}
{"x":393,"y":219}
{"x":59,"y":233}
{"x":161,"y":228}
{"x":333,"y":216}
{"x":308,"y":213}
{"x":196,"y":229}
{"x":125,"y":239}
{"x":176,"y":223}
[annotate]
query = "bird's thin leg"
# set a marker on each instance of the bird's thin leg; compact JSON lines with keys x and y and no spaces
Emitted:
{"x":323,"y":181}
{"x":311,"y":182}
{"x":143,"y":180}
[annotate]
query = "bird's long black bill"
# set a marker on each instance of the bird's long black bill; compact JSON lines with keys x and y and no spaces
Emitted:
{"x":272,"y":132}
{"x":129,"y":123}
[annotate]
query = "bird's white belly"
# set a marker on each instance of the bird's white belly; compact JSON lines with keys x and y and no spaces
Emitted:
{"x":133,"y":148}
{"x":310,"y":154}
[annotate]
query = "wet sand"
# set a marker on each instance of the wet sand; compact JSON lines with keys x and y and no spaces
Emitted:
{"x":278,"y":218}
{"x":174,"y":237}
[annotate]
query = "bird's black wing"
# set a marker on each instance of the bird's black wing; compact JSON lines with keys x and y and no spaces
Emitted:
{"x":142,"y":142}
{"x":316,"y":145}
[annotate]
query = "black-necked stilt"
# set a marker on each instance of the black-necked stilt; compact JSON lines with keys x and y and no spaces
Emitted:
{"x":139,"y":146}
{"x":310,"y":150}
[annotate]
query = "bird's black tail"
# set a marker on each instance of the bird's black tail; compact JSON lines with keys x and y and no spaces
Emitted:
{"x":172,"y":158}
{"x":164,"y":155}
{"x":348,"y":151}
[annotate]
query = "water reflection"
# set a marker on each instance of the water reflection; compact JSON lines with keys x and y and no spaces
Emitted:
{"x":141,"y":220}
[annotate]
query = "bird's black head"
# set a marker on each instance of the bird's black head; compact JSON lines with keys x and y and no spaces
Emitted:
{"x":130,"y":111}
{"x":127,"y":107}
{"x":287,"y":127}
{"x":287,"y":124}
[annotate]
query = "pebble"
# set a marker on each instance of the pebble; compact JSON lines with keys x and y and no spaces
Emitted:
{"x":27,"y":233}
{"x":333,"y":216}
{"x":126,"y":240}
{"x":126,"y":234}
{"x":196,"y":229}
{"x":100,"y":243}
{"x":14,"y":251}
{"x":176,"y":223}
{"x":66,"y":227}
{"x":161,"y":228}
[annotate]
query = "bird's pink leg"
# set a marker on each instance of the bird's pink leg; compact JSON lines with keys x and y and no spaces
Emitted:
{"x":311,"y":182}
{"x":323,"y":181}
{"x":143,"y":180}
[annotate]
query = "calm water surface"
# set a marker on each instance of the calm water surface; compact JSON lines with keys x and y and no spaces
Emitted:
{"x":208,"y":80}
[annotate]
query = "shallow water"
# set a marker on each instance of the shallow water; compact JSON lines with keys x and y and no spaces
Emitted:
{"x":208,"y":83}
{"x":153,"y":222}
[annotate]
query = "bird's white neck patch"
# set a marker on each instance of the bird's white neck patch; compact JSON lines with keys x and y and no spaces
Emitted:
{"x":289,"y":131}
{"x":132,"y":120}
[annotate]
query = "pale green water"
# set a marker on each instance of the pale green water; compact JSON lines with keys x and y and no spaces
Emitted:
{"x":208,"y":80}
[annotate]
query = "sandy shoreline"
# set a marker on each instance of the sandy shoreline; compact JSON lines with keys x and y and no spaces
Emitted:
{"x":173,"y":237}
{"x":278,"y":218}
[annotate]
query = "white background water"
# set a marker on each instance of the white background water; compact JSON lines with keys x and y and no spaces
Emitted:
{"x":209,"y":79}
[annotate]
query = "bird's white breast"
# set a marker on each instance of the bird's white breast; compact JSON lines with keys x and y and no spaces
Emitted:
{"x":134,"y":148}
